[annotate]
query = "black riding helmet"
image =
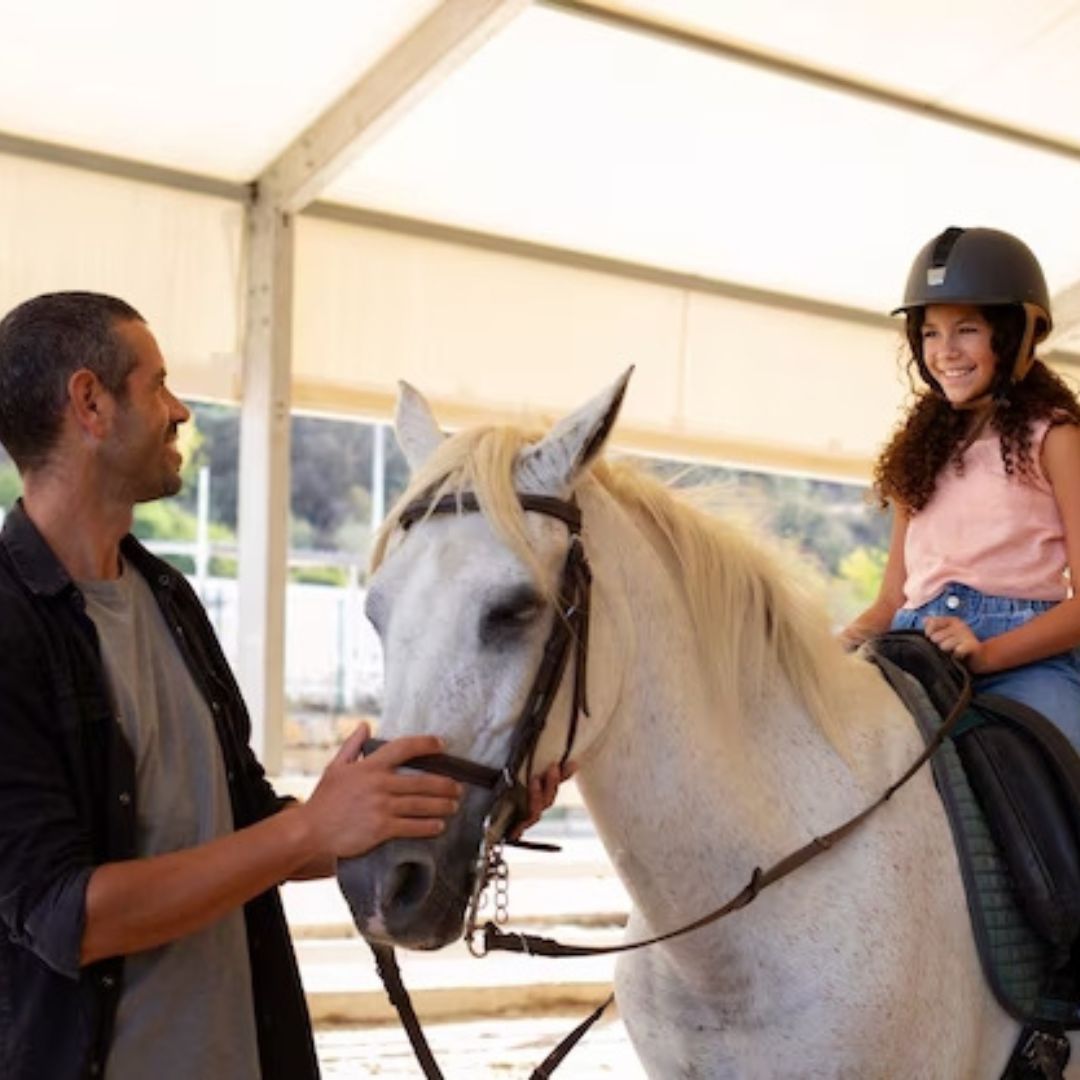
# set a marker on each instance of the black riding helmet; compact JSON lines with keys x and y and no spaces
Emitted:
{"x":982,"y":267}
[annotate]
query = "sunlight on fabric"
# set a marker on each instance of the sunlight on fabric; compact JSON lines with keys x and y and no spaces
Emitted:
{"x":578,"y":135}
{"x":218,"y":88}
{"x":173,"y":255}
{"x":971,"y":54}
{"x":491,"y":336}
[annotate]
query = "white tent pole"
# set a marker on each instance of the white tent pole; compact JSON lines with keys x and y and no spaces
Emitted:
{"x":264,"y":477}
{"x":437,"y":45}
{"x":442,"y":41}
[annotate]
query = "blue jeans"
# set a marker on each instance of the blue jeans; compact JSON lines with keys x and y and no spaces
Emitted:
{"x":1052,"y":686}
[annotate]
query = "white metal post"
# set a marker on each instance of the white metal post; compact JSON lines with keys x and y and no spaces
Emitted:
{"x":264,"y":473}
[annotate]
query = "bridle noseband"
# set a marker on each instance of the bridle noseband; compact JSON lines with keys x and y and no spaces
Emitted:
{"x":569,"y":631}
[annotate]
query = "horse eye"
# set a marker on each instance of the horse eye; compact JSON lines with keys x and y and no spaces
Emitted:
{"x":510,"y":616}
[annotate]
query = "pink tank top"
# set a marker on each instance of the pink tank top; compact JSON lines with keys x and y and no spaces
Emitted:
{"x":1000,"y":535}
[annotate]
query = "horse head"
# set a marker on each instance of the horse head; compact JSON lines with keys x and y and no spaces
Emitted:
{"x":467,"y":605}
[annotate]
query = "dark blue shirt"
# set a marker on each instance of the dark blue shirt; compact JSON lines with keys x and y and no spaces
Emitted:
{"x":67,"y":805}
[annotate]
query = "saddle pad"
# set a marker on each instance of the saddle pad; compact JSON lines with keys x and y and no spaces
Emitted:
{"x":1016,"y":961}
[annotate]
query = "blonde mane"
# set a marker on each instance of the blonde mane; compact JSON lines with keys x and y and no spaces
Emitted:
{"x":750,"y":613}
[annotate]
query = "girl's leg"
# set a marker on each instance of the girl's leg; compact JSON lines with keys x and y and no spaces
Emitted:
{"x":1051,"y":686}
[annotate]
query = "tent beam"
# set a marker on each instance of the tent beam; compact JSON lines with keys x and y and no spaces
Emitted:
{"x":613,"y":13}
{"x":424,"y":57}
{"x":75,"y":157}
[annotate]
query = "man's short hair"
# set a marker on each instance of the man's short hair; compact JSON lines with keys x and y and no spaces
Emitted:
{"x":43,"y":342}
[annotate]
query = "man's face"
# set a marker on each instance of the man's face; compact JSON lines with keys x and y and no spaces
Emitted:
{"x":141,"y":452}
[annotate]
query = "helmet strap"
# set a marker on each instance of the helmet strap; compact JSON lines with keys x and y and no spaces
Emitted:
{"x":1025,"y":355}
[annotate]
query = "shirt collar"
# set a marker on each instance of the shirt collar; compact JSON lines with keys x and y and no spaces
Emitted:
{"x":34,"y":561}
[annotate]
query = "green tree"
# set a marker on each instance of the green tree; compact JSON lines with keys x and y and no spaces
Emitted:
{"x":10,"y":484}
{"x":863,"y":570}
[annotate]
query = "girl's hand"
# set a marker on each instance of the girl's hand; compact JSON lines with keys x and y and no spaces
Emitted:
{"x":954,"y":636}
{"x":542,"y":792}
{"x":852,"y":636}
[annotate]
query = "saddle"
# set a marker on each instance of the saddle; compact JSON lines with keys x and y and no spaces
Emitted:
{"x":1010,"y":783}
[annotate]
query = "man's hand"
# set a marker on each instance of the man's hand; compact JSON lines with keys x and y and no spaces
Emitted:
{"x":954,"y":636}
{"x":542,"y":792}
{"x":360,"y":802}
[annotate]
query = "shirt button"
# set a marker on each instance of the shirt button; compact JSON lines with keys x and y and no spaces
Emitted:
{"x":125,"y":798}
{"x":108,"y":981}
{"x":952,"y":602}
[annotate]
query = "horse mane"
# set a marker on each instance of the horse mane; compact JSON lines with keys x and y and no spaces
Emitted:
{"x":750,"y":612}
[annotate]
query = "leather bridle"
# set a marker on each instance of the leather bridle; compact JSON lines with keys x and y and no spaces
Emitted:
{"x":569,"y":632}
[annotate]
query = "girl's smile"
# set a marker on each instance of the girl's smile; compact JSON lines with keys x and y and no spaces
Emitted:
{"x":956,"y":341}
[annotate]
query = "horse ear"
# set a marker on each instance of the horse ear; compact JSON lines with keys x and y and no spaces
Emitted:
{"x":417,"y":430}
{"x":550,"y":466}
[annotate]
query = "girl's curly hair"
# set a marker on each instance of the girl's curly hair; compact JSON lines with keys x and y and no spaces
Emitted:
{"x":934,"y":435}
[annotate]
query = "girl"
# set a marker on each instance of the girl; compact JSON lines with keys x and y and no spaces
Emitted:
{"x":983,"y":477}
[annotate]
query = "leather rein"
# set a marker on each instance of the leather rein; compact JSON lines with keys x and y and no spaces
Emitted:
{"x":570,"y":629}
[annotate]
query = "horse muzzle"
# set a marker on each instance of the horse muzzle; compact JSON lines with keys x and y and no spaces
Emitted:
{"x":414,"y":893}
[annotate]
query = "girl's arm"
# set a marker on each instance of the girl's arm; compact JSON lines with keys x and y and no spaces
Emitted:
{"x":878,"y":617}
{"x":1057,"y":630}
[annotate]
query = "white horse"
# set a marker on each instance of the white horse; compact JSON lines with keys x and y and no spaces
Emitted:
{"x":726,"y":728}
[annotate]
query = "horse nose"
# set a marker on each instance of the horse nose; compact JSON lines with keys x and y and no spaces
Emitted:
{"x":408,"y":886}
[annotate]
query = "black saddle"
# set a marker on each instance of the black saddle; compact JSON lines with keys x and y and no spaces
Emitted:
{"x":1010,"y":782}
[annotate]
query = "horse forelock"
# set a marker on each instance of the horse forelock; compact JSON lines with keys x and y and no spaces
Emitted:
{"x":750,"y":613}
{"x":479,"y":460}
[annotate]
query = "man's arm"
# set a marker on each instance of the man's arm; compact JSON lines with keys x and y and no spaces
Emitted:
{"x":358,"y":803}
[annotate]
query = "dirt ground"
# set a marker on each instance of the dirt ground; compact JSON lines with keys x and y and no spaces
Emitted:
{"x":505,"y":1049}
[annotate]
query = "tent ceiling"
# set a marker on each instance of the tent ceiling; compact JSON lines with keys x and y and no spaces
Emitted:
{"x":801,"y":147}
{"x":208,"y":87}
{"x":980,"y":56}
{"x":635,"y":147}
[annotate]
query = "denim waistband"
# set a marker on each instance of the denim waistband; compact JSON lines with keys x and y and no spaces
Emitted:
{"x":967,"y":603}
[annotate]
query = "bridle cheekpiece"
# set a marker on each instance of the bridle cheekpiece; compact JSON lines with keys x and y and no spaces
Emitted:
{"x":569,"y":631}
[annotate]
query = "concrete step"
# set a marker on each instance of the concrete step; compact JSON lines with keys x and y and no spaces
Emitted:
{"x":506,"y":1047}
{"x":343,"y":986}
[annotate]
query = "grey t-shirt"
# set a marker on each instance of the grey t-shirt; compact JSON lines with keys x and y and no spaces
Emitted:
{"x":186,"y":1009}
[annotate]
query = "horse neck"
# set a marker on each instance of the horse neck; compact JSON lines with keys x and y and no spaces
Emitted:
{"x":673,"y":779}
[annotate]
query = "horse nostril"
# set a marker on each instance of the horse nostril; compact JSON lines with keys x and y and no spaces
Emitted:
{"x":409,"y":885}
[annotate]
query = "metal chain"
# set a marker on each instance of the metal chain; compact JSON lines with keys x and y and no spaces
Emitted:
{"x":492,"y":886}
{"x":500,"y":874}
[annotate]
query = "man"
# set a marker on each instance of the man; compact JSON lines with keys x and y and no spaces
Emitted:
{"x":140,"y":843}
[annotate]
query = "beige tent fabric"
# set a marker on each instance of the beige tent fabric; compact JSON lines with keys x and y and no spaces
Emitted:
{"x":175,"y":256}
{"x":483,"y":333}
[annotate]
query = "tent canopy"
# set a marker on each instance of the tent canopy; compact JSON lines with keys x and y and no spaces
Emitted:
{"x":725,"y":195}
